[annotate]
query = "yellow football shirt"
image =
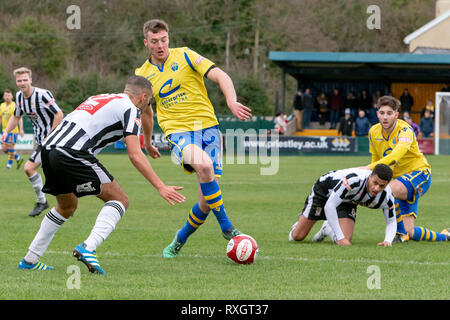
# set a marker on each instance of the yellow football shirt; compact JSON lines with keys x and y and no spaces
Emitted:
{"x":182,"y":103}
{"x":399,"y":149}
{"x":6,"y":112}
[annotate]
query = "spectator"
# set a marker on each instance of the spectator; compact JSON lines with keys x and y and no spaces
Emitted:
{"x":406,"y":100}
{"x":414,"y":126}
{"x":346,"y":124}
{"x":362,"y":124}
{"x":308,"y":106}
{"x":280,"y":123}
{"x":372,"y":115}
{"x":377,"y":96}
{"x":336,"y":104}
{"x":429,"y":107}
{"x":323,"y":108}
{"x":446,"y":88}
{"x":427,"y":125}
{"x":352,"y":104}
{"x":364,"y":100}
{"x":298,"y":111}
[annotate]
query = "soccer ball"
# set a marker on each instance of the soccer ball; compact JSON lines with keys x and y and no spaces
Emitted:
{"x":242,"y":249}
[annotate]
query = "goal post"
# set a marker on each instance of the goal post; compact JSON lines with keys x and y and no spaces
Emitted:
{"x":441,"y":118}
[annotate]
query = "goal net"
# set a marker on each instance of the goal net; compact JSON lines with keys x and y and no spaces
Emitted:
{"x":442,"y":119}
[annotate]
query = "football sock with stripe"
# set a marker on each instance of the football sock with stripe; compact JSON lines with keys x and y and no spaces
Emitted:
{"x":400,"y":226}
{"x":11,"y":156}
{"x":36,"y":182}
{"x":195,"y":219}
{"x":49,"y":225}
{"x":424,"y":234}
{"x":106,"y":222}
{"x":213,"y":195}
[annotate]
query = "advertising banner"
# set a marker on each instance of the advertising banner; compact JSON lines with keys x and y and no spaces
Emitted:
{"x":25,"y":143}
{"x":320,"y":144}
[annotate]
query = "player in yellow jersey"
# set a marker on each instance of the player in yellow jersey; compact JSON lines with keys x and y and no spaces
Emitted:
{"x":186,"y":116}
{"x":6,"y":111}
{"x":393,"y":142}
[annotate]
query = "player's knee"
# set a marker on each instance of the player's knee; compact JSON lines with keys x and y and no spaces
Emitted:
{"x":67,"y":210}
{"x":205,"y":170}
{"x":298,"y":235}
{"x":29,"y":169}
{"x":124,"y":200}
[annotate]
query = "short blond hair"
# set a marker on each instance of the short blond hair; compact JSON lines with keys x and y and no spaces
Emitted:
{"x":155,"y":26}
{"x":22,"y":70}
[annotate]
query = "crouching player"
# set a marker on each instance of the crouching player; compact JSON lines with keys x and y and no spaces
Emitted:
{"x":394,"y":143}
{"x":72,"y":170}
{"x":335,"y":197}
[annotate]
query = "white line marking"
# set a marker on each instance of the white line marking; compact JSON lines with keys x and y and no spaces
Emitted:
{"x":260,"y":257}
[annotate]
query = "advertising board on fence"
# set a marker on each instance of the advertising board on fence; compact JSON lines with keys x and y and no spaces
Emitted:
{"x":283,"y":144}
{"x":426,"y":145}
{"x":303,"y":144}
{"x":25,"y":143}
{"x":158,"y":140}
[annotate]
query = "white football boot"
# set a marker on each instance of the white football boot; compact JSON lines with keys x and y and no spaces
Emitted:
{"x":322,"y":234}
{"x":290,"y":232}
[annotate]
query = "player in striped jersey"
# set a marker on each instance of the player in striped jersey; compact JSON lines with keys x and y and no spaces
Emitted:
{"x":40,"y":107}
{"x":7,"y":109}
{"x":335,"y":197}
{"x":72,"y":170}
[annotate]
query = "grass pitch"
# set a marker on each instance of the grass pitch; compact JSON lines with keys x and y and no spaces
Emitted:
{"x":263,"y":206}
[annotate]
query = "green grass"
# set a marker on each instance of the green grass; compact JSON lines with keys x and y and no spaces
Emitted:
{"x":262,"y":206}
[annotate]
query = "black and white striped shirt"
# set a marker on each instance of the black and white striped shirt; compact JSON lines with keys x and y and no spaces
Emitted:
{"x":98,"y":122}
{"x":350,"y":185}
{"x":41,"y":108}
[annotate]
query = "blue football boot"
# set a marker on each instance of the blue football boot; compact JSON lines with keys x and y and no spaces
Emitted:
{"x":89,"y":258}
{"x":37,"y":266}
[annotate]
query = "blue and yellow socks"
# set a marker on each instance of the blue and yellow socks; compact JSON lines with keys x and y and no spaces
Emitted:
{"x":12,"y":155}
{"x":195,"y":219}
{"x":213,"y":195}
{"x":424,"y":234}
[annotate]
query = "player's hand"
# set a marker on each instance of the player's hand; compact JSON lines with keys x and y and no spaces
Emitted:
{"x":3,"y":137}
{"x":21,"y":133}
{"x":344,"y":242}
{"x":170,"y":194}
{"x":240,"y":111}
{"x":385,"y":244}
{"x":153,"y":151}
{"x":365,"y":168}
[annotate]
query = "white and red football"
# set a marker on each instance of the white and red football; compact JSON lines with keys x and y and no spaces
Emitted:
{"x":242,"y":249}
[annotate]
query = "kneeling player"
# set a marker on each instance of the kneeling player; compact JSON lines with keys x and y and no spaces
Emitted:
{"x":335,"y":197}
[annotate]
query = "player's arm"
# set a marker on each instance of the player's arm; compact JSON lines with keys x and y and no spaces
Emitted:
{"x":57,"y":119}
{"x":330,"y":212}
{"x":404,"y":144}
{"x":140,"y":162}
{"x":147,"y":128}
{"x":226,"y":85}
{"x":391,"y":227}
{"x":12,"y":123}
{"x":21,"y":131}
{"x":51,"y":105}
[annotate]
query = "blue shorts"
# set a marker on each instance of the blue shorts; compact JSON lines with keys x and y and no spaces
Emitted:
{"x":209,"y":140}
{"x":11,"y":138}
{"x":417,"y":183}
